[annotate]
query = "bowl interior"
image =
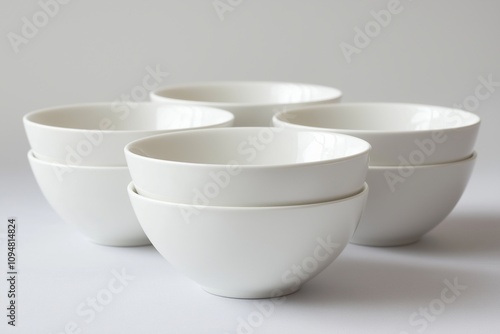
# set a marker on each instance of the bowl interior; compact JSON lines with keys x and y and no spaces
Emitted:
{"x":129,"y":117}
{"x":379,"y":117}
{"x":249,"y":146}
{"x":249,"y":92}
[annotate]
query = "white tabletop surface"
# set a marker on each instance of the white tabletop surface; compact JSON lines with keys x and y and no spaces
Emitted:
{"x":366,"y":290}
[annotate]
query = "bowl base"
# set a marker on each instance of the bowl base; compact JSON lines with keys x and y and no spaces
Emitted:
{"x":249,"y":294}
{"x":386,"y":243}
{"x":121,"y":243}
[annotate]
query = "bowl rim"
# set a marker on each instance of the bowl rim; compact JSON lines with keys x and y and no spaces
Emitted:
{"x":141,"y":104}
{"x":365,"y":151}
{"x":277,"y":118}
{"x":32,"y":157}
{"x":334,"y":93}
{"x":470,"y":158}
{"x":360,"y":193}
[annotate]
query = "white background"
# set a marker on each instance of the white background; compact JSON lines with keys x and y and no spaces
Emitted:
{"x":431,"y":52}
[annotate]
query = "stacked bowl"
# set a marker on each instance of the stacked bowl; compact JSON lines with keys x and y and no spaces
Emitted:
{"x":77,"y":158}
{"x":253,"y":103}
{"x":249,"y":212}
{"x":421,"y":160}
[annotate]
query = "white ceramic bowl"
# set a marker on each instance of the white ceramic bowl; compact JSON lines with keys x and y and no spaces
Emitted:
{"x":252,"y":102}
{"x":249,"y":166}
{"x":406,"y":203}
{"x":95,"y":134}
{"x":400,"y":134}
{"x":250,"y":252}
{"x":92,"y":199}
